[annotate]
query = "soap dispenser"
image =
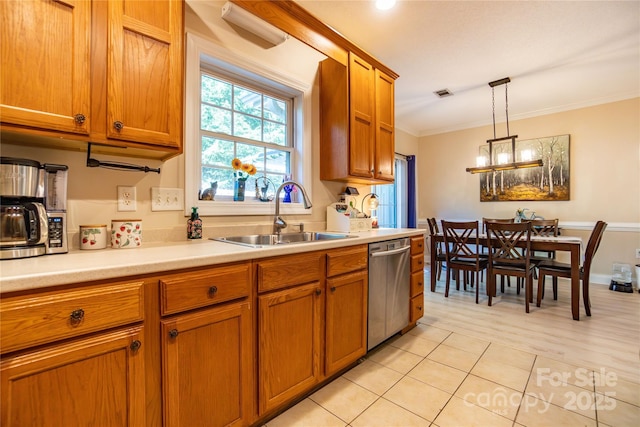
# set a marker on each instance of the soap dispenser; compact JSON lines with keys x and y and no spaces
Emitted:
{"x":194,"y":225}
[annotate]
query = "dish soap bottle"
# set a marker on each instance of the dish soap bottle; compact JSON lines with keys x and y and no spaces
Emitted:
{"x":194,"y":225}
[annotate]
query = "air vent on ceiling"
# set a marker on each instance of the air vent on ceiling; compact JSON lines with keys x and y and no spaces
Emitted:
{"x":443,"y":93}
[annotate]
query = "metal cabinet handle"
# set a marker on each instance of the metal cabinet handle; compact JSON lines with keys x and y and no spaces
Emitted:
{"x":118,"y":125}
{"x":213,"y":290}
{"x":419,"y":308}
{"x":173,"y":333}
{"x":79,"y":118}
{"x":420,"y":283}
{"x":333,"y":289}
{"x":135,"y":345}
{"x":76,"y":316}
{"x":318,"y":291}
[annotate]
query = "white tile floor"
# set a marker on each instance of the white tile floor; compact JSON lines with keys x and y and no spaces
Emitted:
{"x":435,"y":377}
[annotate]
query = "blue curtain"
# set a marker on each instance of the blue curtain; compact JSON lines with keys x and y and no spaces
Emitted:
{"x":411,"y":192}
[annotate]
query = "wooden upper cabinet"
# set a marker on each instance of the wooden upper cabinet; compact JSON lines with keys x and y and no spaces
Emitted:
{"x":362,"y":111}
{"x":45,"y":57}
{"x":385,"y":125}
{"x":109,"y":72}
{"x":356,"y":122}
{"x":144,"y":93}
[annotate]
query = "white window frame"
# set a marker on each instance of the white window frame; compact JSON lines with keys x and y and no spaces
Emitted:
{"x":201,"y":51}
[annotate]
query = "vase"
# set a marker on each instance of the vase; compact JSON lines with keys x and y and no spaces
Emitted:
{"x":238,"y":190}
{"x":287,"y":194}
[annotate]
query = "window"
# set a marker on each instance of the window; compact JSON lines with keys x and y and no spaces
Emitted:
{"x":392,"y":209}
{"x":238,"y":121}
{"x":239,"y":108}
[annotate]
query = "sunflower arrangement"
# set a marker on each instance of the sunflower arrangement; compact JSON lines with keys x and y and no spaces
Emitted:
{"x":242,"y":171}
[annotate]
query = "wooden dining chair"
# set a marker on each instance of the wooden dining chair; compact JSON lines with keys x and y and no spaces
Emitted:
{"x":440,"y":257}
{"x":544,"y":228}
{"x":557,"y":269}
{"x":461,"y":242}
{"x":484,"y":249}
{"x":510,"y":255}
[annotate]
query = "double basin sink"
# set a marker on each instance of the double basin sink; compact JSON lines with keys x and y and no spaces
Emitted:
{"x":260,"y":240}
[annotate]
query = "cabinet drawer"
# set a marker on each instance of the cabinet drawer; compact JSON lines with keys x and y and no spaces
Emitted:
{"x":417,"y":283}
{"x":186,"y":291}
{"x":39,"y":319}
{"x":417,"y":262}
{"x":345,"y":260}
{"x":417,"y":308}
{"x":417,"y":245}
{"x":289,"y":270}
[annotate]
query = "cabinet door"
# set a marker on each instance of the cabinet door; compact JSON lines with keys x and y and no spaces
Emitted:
{"x":361,"y":117}
{"x":289,"y":324}
{"x":385,"y":125}
{"x":44,"y":58}
{"x":346,"y":320}
{"x":97,"y":381}
{"x":144,"y":81}
{"x":208,"y":367}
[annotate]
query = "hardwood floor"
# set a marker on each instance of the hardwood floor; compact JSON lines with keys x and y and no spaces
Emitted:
{"x":609,"y":339}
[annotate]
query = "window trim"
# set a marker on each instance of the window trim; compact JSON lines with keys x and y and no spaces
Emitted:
{"x":200,"y":50}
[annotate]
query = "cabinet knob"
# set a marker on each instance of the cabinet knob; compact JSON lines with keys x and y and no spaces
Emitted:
{"x":173,"y":333}
{"x":213,"y":290}
{"x":333,"y":289}
{"x":318,"y":291}
{"x":118,"y":125}
{"x":76,"y":316}
{"x":420,"y":283}
{"x":135,"y":345}
{"x":419,"y":308}
{"x":79,"y":118}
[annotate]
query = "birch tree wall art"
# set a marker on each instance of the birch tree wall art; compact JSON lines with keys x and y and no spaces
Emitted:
{"x":549,"y":182}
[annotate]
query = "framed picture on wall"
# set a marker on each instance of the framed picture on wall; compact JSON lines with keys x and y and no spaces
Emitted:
{"x":549,"y":182}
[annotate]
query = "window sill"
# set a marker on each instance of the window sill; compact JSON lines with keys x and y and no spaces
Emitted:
{"x":248,"y":207}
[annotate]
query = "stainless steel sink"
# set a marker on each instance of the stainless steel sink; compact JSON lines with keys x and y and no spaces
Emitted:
{"x":259,"y":240}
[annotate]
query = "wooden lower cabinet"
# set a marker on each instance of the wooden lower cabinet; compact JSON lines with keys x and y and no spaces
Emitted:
{"x":289,"y":343}
{"x":416,"y":307}
{"x":208,"y":367}
{"x":96,"y":381}
{"x":346,"y":320}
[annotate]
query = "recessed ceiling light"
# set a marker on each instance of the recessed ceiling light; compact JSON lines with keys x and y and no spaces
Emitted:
{"x":385,"y":4}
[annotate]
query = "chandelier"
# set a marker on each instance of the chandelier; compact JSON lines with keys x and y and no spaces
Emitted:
{"x":504,"y":161}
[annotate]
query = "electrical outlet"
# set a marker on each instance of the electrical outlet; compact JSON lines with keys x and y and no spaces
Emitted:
{"x":167,"y":199}
{"x":638,"y":253}
{"x":126,"y":198}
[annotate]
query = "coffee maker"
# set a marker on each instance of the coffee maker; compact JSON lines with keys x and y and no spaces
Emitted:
{"x":33,"y":208}
{"x":55,"y":202}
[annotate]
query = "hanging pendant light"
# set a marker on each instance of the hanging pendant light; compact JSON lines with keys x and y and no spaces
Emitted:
{"x":503,"y":163}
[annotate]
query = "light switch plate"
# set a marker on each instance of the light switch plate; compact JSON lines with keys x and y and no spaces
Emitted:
{"x":126,"y":198}
{"x":167,"y":199}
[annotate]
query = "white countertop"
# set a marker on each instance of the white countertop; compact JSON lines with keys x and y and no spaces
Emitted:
{"x":86,"y":265}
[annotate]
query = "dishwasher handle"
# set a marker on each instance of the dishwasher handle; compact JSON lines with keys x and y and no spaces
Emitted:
{"x":391,"y":252}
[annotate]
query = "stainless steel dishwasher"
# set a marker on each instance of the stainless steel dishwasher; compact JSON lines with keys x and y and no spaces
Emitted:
{"x":389,"y":288}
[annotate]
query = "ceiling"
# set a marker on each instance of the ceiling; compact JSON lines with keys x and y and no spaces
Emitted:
{"x":560,"y":55}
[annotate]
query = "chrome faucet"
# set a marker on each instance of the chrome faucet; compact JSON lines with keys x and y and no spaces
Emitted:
{"x":278,"y":222}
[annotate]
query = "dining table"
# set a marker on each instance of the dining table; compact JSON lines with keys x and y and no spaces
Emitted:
{"x":570,"y":244}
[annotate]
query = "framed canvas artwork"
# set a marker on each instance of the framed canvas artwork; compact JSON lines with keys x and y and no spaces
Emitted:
{"x":549,"y":182}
